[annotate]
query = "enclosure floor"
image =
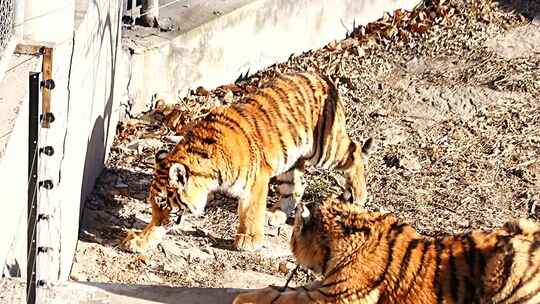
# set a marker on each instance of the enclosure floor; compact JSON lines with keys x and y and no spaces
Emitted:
{"x":13,"y":291}
{"x":456,"y":118}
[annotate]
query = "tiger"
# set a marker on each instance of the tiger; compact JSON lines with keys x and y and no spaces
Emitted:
{"x":293,"y":122}
{"x":371,"y":257}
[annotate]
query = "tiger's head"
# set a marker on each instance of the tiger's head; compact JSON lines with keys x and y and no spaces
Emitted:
{"x":336,"y":228}
{"x":178,"y":187}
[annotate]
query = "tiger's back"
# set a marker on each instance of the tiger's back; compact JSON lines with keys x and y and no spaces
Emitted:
{"x":368,"y":257}
{"x":294,"y":117}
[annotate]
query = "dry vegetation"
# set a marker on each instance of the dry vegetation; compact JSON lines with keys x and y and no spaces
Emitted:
{"x":453,"y":105}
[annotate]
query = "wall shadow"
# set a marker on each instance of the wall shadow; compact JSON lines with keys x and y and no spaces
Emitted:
{"x":167,"y":294}
{"x":103,"y":220}
{"x":527,"y":8}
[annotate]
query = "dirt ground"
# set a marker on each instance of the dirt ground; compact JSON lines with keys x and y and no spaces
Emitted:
{"x":453,"y":104}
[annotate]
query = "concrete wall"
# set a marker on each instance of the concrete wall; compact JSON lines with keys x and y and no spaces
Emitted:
{"x":48,"y":21}
{"x":84,"y":69}
{"x":83,"y":102}
{"x":249,"y":38}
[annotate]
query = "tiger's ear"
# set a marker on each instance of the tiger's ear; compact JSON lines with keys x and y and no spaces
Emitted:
{"x":161,"y":155}
{"x":366,"y":150}
{"x":302,"y":212}
{"x":367,"y":146}
{"x":177,"y":175}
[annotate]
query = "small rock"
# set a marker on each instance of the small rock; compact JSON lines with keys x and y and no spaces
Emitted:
{"x":360,"y":52}
{"x":140,"y":144}
{"x":201,"y":91}
{"x":207,"y":250}
{"x":349,"y":43}
{"x":121,"y":184}
{"x":391,"y":161}
{"x":169,"y":247}
{"x":332,"y":46}
{"x":160,"y":105}
{"x":286,"y":266}
{"x":153,"y":278}
{"x":196,"y":254}
{"x":154,"y":265}
{"x":410,"y":163}
{"x":173,"y":139}
{"x":536,"y":20}
{"x":464,"y":224}
{"x":79,"y":277}
{"x":228,"y":97}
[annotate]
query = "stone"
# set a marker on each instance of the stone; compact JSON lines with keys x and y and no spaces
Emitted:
{"x":169,"y":247}
{"x":196,"y":255}
{"x":536,"y":20}
{"x":139,"y":144}
{"x":360,"y":52}
{"x":410,"y":163}
{"x":464,"y":223}
{"x":75,"y":276}
{"x":285,"y":266}
{"x":153,"y":278}
{"x":228,"y":97}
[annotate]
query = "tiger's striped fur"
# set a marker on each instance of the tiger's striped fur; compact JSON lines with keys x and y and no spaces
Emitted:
{"x":369,"y":257}
{"x":295,"y":121}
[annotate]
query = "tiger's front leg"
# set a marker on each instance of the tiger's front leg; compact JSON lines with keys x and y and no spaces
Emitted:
{"x":291,"y":190}
{"x":251,"y":209}
{"x":150,"y":236}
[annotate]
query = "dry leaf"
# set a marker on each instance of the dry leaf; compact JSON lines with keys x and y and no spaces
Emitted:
{"x":200,"y":91}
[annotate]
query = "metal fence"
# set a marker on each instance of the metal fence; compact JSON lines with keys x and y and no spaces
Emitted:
{"x":7,"y":23}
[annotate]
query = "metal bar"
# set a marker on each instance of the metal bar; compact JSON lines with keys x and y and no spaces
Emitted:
{"x":46,"y":94}
{"x":33,"y":157}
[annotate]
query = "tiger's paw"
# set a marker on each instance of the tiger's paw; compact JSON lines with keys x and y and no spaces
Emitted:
{"x":276,"y":217}
{"x":246,"y":242}
{"x":262,"y":296}
{"x":134,"y":243}
{"x":138,"y":243}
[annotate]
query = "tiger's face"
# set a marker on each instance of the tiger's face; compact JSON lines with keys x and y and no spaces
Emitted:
{"x":177,"y":190}
{"x":308,"y":242}
{"x":334,"y":228}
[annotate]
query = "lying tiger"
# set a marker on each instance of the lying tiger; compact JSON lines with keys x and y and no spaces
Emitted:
{"x":295,"y":121}
{"x":369,"y":257}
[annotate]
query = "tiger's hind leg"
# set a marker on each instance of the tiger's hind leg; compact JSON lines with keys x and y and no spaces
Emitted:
{"x":291,"y":190}
{"x":355,"y":166}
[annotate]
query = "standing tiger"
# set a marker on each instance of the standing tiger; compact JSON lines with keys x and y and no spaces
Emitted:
{"x":295,"y":121}
{"x":369,"y":257}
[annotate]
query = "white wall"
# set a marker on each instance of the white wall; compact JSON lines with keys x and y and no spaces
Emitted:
{"x":49,"y":21}
{"x":248,"y":39}
{"x":84,"y":103}
{"x":85,"y":71}
{"x":88,"y":112}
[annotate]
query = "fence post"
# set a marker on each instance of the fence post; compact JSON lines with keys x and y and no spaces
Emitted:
{"x":33,"y":124}
{"x":150,"y":12}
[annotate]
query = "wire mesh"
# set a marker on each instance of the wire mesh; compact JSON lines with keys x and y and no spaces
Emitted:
{"x":7,"y":22}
